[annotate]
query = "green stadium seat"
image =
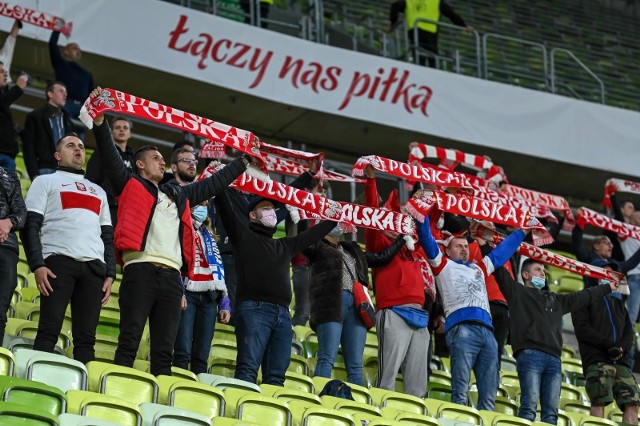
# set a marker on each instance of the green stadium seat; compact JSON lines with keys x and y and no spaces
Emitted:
{"x":161,"y":415}
{"x":320,"y":416}
{"x":7,"y":362}
{"x":222,"y":382}
{"x":193,"y":396}
{"x":104,"y":407}
{"x":19,"y":415}
{"x":359,"y":393}
{"x":364,"y":411}
{"x":67,"y":419}
{"x":122,"y":382}
{"x":399,"y":401}
{"x":51,"y":369}
{"x":298,"y":381}
{"x":266,"y":410}
{"x":183,"y":374}
{"x":287,"y":394}
{"x":32,"y":394}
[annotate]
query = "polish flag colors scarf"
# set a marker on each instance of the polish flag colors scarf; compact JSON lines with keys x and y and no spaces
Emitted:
{"x":465,"y":205}
{"x":599,"y":220}
{"x":432,"y":176}
{"x":554,"y":202}
{"x":351,"y":214}
{"x":547,"y":257}
{"x":35,"y":17}
{"x":502,"y":198}
{"x":614,"y":185}
{"x":124,"y":103}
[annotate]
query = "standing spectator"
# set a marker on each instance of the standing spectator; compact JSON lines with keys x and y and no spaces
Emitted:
{"x":13,"y":213}
{"x":79,"y":81}
{"x":155,"y":239}
{"x":183,"y":166}
{"x":468,"y":327}
{"x":121,"y":134}
{"x":8,"y":143}
{"x":536,"y":335}
{"x":605,"y":336}
{"x":263,"y":295}
{"x":68,"y":240}
{"x":398,"y":286}
{"x":182,"y":146}
{"x":6,"y":53}
{"x":337,"y":266}
{"x":43,"y":128}
{"x":427,"y":31}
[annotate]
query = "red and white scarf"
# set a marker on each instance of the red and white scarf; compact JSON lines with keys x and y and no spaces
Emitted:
{"x":124,"y":103}
{"x":465,"y":205}
{"x":347,"y":213}
{"x":451,"y":158}
{"x":550,"y":258}
{"x":554,"y":202}
{"x":614,"y":185}
{"x":502,"y":198}
{"x":599,"y":220}
{"x":35,"y":17}
{"x":415,"y":172}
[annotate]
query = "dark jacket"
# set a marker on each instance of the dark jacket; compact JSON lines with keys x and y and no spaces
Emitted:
{"x":134,"y":218}
{"x":325,"y":286}
{"x":262,"y":262}
{"x":11,"y":205}
{"x":602,"y":325}
{"x":37,"y":140}
{"x":78,"y":80}
{"x":8,"y":142}
{"x":588,"y":256}
{"x":96,"y":173}
{"x":445,"y":10}
{"x":536,"y":316}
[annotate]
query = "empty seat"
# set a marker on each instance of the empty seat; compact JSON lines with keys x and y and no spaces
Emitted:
{"x":266,"y":410}
{"x":7,"y":362}
{"x":17,"y":414}
{"x":67,"y":419}
{"x":321,"y":416}
{"x":288,"y":394}
{"x":51,"y":369}
{"x":161,"y":415}
{"x":222,"y":382}
{"x":122,"y":382}
{"x":105,"y":407}
{"x":182,"y":373}
{"x":32,"y":394}
{"x":352,"y":407}
{"x":400,"y":401}
{"x":299,"y":382}
{"x":189,"y":395}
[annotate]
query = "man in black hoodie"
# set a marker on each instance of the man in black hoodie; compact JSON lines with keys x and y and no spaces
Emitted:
{"x":605,"y":336}
{"x":263,"y":295}
{"x":536,"y":335}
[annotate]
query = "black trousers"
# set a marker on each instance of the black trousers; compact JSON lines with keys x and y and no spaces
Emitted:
{"x":427,"y":41}
{"x":153,"y":292}
{"x":8,"y":282}
{"x":81,"y":284}
{"x":500,"y":320}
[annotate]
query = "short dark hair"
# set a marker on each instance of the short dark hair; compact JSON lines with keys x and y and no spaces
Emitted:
{"x":122,"y":118}
{"x":66,"y":136}
{"x":142,"y":150}
{"x":527,"y":264}
{"x":181,"y":145}
{"x":49,"y":88}
{"x":177,"y":152}
{"x":624,"y":203}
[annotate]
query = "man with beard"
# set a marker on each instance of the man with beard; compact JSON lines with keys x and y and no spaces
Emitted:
{"x":183,"y":166}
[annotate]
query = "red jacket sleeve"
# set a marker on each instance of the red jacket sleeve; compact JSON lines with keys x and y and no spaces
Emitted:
{"x":373,"y":239}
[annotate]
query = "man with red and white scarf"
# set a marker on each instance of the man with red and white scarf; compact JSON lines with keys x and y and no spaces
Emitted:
{"x":400,"y":291}
{"x":468,"y":326}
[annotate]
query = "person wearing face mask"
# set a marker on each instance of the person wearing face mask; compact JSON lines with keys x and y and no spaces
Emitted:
{"x":205,"y":298}
{"x":536,"y":334}
{"x":263,"y":294}
{"x":336,"y":267}
{"x":605,"y":337}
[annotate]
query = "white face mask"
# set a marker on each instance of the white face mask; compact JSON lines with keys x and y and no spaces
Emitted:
{"x":440,"y":222}
{"x":269,"y":218}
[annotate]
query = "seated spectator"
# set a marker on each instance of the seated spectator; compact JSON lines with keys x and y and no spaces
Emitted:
{"x":536,"y":335}
{"x":68,"y":240}
{"x":8,"y":143}
{"x":605,"y":336}
{"x":263,"y":296}
{"x":337,"y":266}
{"x":43,"y":128}
{"x":468,"y":327}
{"x":13,"y":213}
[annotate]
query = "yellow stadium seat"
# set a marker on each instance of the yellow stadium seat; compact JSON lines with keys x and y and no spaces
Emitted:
{"x":103,"y":407}
{"x":122,"y":382}
{"x":359,"y":393}
{"x":190,"y":395}
{"x":298,"y":381}
{"x":7,"y":362}
{"x":364,"y":411}
{"x":401,"y":402}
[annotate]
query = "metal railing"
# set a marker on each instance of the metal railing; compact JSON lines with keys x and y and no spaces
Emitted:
{"x":509,"y":48}
{"x":570,"y":54}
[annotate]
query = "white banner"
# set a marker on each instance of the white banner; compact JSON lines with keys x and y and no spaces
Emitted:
{"x":292,"y":71}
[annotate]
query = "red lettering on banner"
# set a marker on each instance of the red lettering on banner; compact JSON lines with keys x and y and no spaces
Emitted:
{"x":314,"y":76}
{"x":235,"y":54}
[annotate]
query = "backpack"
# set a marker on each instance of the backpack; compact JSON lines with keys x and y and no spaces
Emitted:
{"x":338,"y":389}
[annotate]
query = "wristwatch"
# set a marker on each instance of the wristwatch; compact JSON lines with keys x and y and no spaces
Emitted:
{"x":14,"y":222}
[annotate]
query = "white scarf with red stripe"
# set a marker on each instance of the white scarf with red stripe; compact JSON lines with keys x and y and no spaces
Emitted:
{"x":35,"y":17}
{"x":599,"y":220}
{"x":614,"y":185}
{"x":554,"y":202}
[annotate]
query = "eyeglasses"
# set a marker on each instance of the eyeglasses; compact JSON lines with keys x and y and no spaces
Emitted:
{"x":188,"y":161}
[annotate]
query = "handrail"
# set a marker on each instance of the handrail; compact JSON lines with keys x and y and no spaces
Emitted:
{"x":517,"y":40}
{"x":475,"y":34}
{"x":579,"y":62}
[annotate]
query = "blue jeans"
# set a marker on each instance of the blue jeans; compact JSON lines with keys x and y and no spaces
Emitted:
{"x":351,"y":333}
{"x":473,"y":346}
{"x":7,"y":162}
{"x":263,"y":334}
{"x":195,"y":331}
{"x":300,"y":280}
{"x":540,"y":376}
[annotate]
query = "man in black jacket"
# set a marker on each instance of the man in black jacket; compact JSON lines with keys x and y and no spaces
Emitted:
{"x":263,"y":322}
{"x":121,"y":134}
{"x":13,"y":213}
{"x":43,"y":128}
{"x":536,"y":335}
{"x":8,"y":143}
{"x":605,"y":336}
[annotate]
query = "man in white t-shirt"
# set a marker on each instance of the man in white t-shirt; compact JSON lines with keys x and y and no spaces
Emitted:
{"x":68,"y":240}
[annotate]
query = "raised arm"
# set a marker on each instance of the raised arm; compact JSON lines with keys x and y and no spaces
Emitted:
{"x":615,"y":209}
{"x":503,"y":251}
{"x":215,"y":184}
{"x":382,"y":258}
{"x":54,"y":51}
{"x":447,"y":10}
{"x":577,"y":235}
{"x":111,"y":161}
{"x":229,"y":213}
{"x":630,"y":263}
{"x":29,"y":146}
{"x":94,"y":169}
{"x":580,"y":299}
{"x":312,"y":235}
{"x":505,"y":282}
